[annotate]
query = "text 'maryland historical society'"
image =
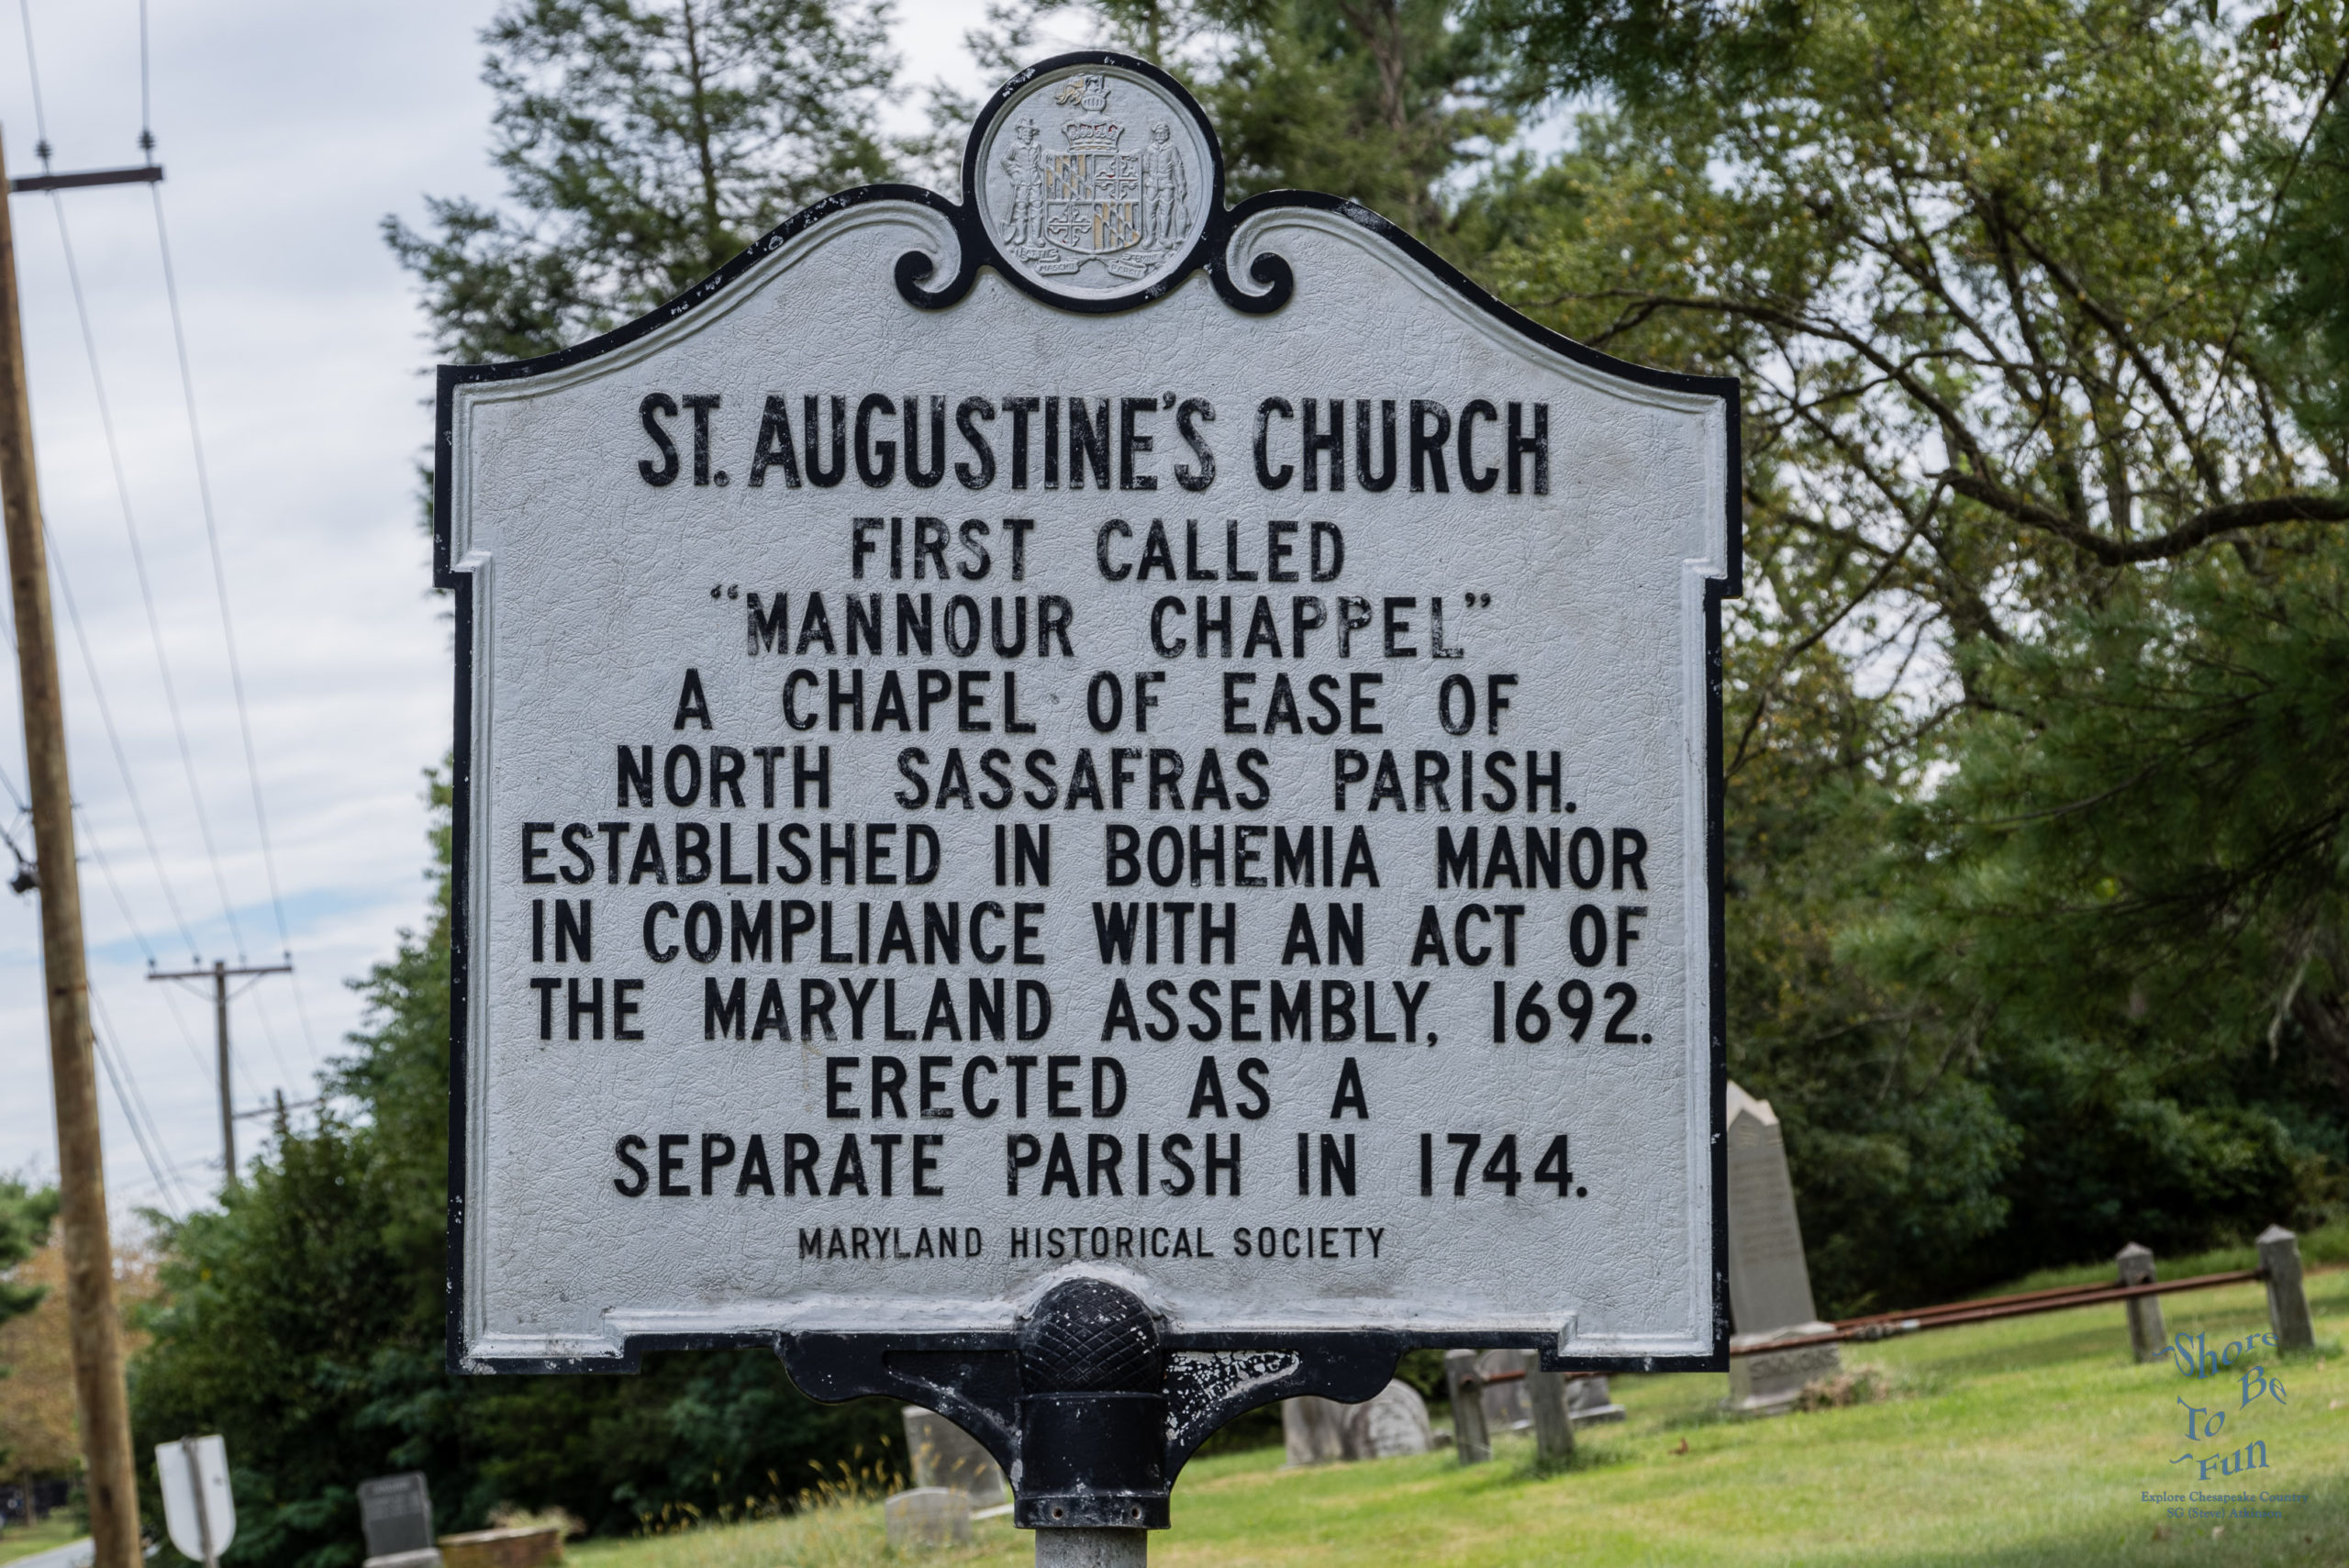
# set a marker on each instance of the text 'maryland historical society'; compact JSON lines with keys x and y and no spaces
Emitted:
{"x":1088,"y":732}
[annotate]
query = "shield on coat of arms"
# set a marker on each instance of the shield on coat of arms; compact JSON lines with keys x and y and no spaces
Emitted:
{"x":1093,"y":193}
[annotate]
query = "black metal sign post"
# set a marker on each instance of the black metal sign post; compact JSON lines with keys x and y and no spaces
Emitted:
{"x":1236,"y":595}
{"x":1089,"y":1411}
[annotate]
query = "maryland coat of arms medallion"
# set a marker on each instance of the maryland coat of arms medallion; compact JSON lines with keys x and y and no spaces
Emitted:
{"x":1095,"y":181}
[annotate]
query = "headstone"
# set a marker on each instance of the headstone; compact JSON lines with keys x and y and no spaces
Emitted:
{"x":2147,"y":1338}
{"x":395,"y":1513}
{"x":928,"y":1517}
{"x":1769,"y":1281}
{"x":1587,"y":1400}
{"x":1553,"y":1429}
{"x":1470,"y":1438}
{"x":1392,"y":1423}
{"x":1313,"y":1429}
{"x":943,"y":1454}
{"x":1505,"y":1408}
{"x":2288,"y":1296}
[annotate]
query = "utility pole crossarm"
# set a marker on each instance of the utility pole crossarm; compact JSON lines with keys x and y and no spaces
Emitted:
{"x":139,"y":174}
{"x":224,"y":972}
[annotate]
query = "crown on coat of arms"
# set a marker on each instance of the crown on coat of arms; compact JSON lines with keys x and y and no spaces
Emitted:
{"x":1093,"y":136}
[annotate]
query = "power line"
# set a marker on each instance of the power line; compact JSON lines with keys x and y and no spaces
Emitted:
{"x":212,"y":532}
{"x":133,"y":1103}
{"x":105,"y":869}
{"x":268,"y":1034}
{"x":89,"y":835}
{"x":89,"y":342}
{"x":138,"y":569}
{"x":32,"y":69}
{"x":129,"y":1101}
{"x":23,"y":881}
{"x":211,"y":529}
{"x":146,"y":119}
{"x":114,"y":740}
{"x":219,"y":571}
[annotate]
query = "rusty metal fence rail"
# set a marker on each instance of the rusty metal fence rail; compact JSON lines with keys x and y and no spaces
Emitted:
{"x":1887,"y":1325}
{"x":2279,"y":1269}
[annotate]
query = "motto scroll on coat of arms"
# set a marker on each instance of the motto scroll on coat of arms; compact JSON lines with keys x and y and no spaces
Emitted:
{"x":1092,"y":197}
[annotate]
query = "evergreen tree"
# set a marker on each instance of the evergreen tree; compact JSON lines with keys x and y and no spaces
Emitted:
{"x":1380,"y":100}
{"x":644,"y":143}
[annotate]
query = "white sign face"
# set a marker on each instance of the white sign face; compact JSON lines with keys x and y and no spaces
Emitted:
{"x":960,"y":789}
{"x":199,"y":1510}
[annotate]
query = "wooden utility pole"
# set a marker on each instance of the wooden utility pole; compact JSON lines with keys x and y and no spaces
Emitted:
{"x":220,"y":975}
{"x":97,"y":1334}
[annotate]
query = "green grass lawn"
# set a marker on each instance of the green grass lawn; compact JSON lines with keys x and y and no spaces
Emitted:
{"x":2022,"y":1443}
{"x":23,"y":1540}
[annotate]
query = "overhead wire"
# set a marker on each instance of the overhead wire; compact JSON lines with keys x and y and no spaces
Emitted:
{"x":32,"y":69}
{"x":64,"y":579}
{"x":106,"y":872}
{"x":146,"y":597}
{"x":125,"y":1084}
{"x":88,"y":838}
{"x":219,"y":571}
{"x":138,"y":571}
{"x":133,"y":1102}
{"x":150,"y":1139}
{"x":138,"y":1133}
{"x":146,"y":119}
{"x":114,"y":740}
{"x":24,"y":810}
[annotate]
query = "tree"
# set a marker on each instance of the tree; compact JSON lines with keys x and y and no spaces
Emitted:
{"x":37,"y":1433}
{"x":26,"y":1214}
{"x":1646,"y":51}
{"x":1380,"y":100}
{"x":1995,"y":278}
{"x":645,"y":143}
{"x":319,"y":1386}
{"x":2137,"y":882}
{"x":24,"y":1217}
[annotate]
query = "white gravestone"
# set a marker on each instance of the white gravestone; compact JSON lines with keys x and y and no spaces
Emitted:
{"x":941,"y":1453}
{"x":1389,"y":1425}
{"x":1185,"y":749}
{"x":1313,"y":1429}
{"x":1769,"y":1280}
{"x":1393,"y":1422}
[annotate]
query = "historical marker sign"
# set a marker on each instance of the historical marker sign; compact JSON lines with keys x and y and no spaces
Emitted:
{"x":1088,"y":732}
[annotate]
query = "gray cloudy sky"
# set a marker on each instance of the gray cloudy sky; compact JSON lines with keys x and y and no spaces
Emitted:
{"x":288,"y":130}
